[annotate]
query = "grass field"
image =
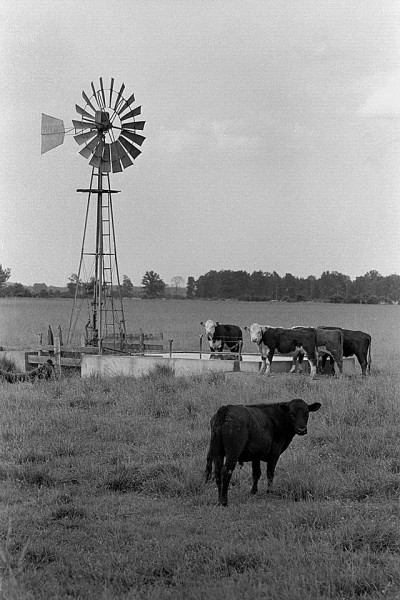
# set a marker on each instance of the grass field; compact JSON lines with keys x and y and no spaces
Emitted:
{"x":102,"y":492}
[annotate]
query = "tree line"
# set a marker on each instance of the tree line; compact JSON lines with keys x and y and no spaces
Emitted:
{"x":332,"y":286}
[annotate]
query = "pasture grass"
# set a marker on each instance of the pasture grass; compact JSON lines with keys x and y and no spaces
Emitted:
{"x":103,"y":496}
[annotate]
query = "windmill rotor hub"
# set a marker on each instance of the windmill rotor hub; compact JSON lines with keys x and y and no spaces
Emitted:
{"x":102,"y":120}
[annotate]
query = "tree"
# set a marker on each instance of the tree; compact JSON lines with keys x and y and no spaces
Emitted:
{"x":127,"y":287}
{"x":18,"y":290}
{"x":153,"y":285}
{"x":177,"y":282}
{"x":72,"y":284}
{"x":190,"y":288}
{"x":4,"y":276}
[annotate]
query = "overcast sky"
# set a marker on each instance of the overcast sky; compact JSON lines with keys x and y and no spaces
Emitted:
{"x":272,"y":135}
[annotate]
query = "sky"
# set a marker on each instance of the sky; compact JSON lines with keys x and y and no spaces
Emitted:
{"x":272,"y":135}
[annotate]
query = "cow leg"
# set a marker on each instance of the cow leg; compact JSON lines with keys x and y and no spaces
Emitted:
{"x":218,"y":463}
{"x":363,"y":364}
{"x":226,"y":474}
{"x":313,"y":367}
{"x":266,"y":360}
{"x":339,"y":362}
{"x":296,"y":355}
{"x":256,"y":468}
{"x":265,"y":366}
{"x":272,"y":462}
{"x":301,"y":358}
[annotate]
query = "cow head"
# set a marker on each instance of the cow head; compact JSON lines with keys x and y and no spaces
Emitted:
{"x":256,"y":332}
{"x":210,"y":331}
{"x":209,"y":327}
{"x":298,"y":411}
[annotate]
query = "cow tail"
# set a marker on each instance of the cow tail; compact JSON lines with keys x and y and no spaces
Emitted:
{"x":216,"y":440}
{"x":369,"y":355}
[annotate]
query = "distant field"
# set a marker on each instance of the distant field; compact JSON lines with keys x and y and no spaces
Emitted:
{"x":22,"y":319}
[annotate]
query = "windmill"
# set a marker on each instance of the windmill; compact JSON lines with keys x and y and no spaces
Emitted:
{"x":107,"y":130}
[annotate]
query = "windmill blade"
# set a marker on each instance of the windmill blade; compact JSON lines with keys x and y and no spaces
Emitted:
{"x":53,"y":133}
{"x":119,"y":96}
{"x":102,"y":91}
{"x":97,"y":156}
{"x":133,"y":151}
{"x":134,"y":125}
{"x":86,"y":99}
{"x":91,"y":146}
{"x":83,"y":125}
{"x":126,"y":161}
{"x":134,"y":137}
{"x":111,"y":89}
{"x":127,"y":104}
{"x":132,"y":113}
{"x":83,"y":112}
{"x":81,"y":138}
{"x":95,"y":94}
{"x":115,"y":161}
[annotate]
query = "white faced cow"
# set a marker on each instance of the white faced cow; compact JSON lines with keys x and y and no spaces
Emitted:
{"x":285,"y":341}
{"x":219,"y":336}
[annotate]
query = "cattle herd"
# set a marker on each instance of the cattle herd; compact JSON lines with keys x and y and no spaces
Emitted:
{"x":316,"y":343}
{"x":261,"y":432}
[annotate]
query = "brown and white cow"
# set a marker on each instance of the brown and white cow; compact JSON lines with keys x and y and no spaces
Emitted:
{"x":329,"y":343}
{"x":219,"y":336}
{"x":356,"y":343}
{"x":285,"y":341}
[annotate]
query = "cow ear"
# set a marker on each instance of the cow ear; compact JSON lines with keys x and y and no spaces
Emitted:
{"x":314,"y":407}
{"x":217,"y":322}
{"x":201,"y":323}
{"x":246,"y":328}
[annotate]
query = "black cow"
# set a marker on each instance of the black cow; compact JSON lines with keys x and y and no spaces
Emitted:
{"x":354,"y":342}
{"x":220,"y":336}
{"x":44,"y":371}
{"x":257,"y":432}
{"x":285,"y":341}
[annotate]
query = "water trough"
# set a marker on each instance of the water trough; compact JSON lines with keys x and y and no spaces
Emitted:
{"x":188,"y":363}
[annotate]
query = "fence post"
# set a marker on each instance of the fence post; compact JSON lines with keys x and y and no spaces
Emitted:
{"x":57,"y":352}
{"x":141,"y":342}
{"x":40,"y":349}
{"x":50,"y":340}
{"x":170,"y":348}
{"x":201,"y":344}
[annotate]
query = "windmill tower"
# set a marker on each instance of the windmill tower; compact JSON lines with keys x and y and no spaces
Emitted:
{"x":107,"y":130}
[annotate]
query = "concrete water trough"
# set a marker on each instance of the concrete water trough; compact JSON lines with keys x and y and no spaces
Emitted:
{"x":189,"y":363}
